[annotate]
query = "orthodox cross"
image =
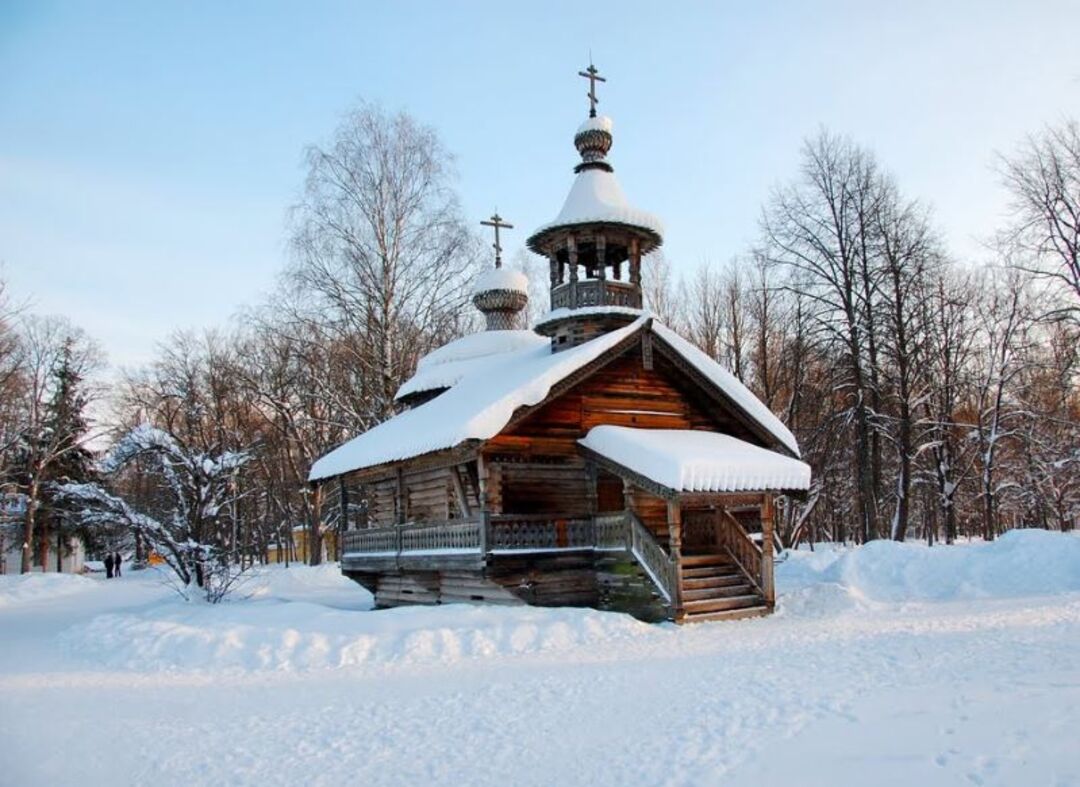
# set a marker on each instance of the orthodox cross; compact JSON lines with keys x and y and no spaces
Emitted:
{"x":497,"y":222}
{"x":593,"y":76}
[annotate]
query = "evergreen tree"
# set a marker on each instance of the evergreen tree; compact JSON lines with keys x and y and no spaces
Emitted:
{"x":73,"y":462}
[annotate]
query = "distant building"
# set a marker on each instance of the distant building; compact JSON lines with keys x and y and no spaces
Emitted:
{"x":12,"y":515}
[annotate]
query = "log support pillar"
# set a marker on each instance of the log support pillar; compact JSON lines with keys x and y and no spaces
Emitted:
{"x":674,"y":521}
{"x":768,"y":584}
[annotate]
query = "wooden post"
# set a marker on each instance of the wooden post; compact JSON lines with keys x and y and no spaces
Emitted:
{"x":590,"y":487}
{"x":482,"y":494}
{"x":674,"y":521}
{"x":602,"y":266}
{"x":767,"y":582}
{"x":459,"y":492}
{"x":399,"y":498}
{"x":571,"y":251}
{"x":553,"y":264}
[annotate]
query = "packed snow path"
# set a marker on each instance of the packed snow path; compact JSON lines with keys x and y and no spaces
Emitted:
{"x":976,"y":683}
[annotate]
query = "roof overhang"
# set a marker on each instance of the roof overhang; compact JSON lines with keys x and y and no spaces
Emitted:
{"x":672,"y":463}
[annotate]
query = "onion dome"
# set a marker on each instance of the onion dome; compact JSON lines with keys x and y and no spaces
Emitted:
{"x":501,"y":295}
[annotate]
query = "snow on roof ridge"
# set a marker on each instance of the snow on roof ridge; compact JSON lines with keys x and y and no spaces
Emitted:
{"x":686,"y":460}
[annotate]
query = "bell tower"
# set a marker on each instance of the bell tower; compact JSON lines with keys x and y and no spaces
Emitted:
{"x":595,"y":245}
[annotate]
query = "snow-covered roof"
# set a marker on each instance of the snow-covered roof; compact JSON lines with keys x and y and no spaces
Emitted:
{"x":587,"y":311}
{"x":596,"y":196}
{"x":742,"y":396}
{"x":502,"y":279}
{"x":477,"y":407}
{"x":490,"y":387}
{"x":694,"y":461}
{"x":444,"y":367}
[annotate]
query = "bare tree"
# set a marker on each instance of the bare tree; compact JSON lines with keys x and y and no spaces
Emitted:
{"x":661,"y":290}
{"x":907,"y":248}
{"x":1044,"y":180}
{"x":381,"y":247}
{"x":820,"y":228}
{"x":1004,"y":319}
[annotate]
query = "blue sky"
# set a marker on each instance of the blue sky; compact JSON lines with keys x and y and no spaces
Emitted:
{"x":149,"y":151}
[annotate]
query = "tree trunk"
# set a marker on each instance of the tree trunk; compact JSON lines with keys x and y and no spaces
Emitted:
{"x":315,"y":526}
{"x":28,"y":528}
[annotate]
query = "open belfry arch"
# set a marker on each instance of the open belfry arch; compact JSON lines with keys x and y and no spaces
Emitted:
{"x":596,"y":459}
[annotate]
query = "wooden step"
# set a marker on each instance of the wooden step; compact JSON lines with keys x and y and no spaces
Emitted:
{"x":730,"y":614}
{"x":721,"y":604}
{"x":712,"y":581}
{"x":743,"y":589}
{"x":712,"y":571}
{"x":708,"y":559}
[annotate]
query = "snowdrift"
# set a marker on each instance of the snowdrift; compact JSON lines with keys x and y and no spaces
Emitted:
{"x":1020,"y":563}
{"x":301,"y":636}
{"x":26,"y":588}
{"x":305,"y":618}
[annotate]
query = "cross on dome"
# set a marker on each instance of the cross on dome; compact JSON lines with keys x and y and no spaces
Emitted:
{"x":593,"y":75}
{"x":497,"y":222}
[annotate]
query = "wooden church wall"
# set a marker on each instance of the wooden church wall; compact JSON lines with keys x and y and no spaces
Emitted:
{"x":537,"y":460}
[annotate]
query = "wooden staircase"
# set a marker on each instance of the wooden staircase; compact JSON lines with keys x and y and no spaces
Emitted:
{"x":714,"y":587}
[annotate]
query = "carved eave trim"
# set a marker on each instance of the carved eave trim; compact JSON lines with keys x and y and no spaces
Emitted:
{"x":447,"y":457}
{"x":543,"y":242}
{"x":643,"y":483}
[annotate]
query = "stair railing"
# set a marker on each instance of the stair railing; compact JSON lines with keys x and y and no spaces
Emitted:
{"x":660,"y":567}
{"x":731,"y":536}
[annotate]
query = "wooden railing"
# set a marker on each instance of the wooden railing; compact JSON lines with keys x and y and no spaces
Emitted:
{"x":731,"y":536}
{"x":525,"y":532}
{"x":611,"y":531}
{"x":595,"y":292}
{"x":371,"y":541}
{"x":521,"y":533}
{"x":456,"y":535}
{"x":651,"y":556}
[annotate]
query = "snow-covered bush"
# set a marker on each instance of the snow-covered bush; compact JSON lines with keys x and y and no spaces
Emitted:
{"x":184,"y":526}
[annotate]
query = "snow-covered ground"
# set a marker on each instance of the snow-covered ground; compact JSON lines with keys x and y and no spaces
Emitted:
{"x":886,"y":665}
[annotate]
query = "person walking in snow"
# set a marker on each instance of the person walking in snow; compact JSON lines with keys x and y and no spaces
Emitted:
{"x":108,"y":566}
{"x":116,"y":565}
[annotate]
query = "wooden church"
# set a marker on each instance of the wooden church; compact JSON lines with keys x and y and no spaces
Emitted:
{"x":597,"y":459}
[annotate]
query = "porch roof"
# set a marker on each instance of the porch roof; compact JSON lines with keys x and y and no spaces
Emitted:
{"x":682,"y":460}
